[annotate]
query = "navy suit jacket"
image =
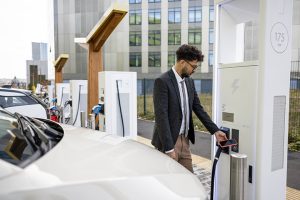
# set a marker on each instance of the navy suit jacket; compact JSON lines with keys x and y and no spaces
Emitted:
{"x":168,"y":114}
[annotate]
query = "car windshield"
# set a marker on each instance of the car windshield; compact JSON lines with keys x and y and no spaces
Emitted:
{"x":23,"y":139}
{"x":11,"y":101}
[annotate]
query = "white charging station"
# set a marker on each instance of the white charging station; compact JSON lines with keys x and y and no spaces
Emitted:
{"x":251,"y":92}
{"x":118,"y":94}
{"x":50,"y":90}
{"x":78,"y":94}
{"x":63,"y":95}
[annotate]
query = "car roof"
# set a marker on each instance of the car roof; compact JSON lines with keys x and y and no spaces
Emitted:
{"x":14,"y":92}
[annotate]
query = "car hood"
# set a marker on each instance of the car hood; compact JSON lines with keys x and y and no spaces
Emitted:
{"x":88,"y":159}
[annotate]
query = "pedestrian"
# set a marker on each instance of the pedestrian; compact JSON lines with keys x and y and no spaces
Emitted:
{"x":174,"y":99}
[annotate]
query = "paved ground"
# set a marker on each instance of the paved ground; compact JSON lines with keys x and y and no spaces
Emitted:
{"x":202,"y":149}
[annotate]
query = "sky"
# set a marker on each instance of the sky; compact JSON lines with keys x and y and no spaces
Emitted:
{"x":21,"y":22}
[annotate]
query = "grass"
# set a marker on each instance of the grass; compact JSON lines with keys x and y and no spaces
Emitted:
{"x":206,"y":101}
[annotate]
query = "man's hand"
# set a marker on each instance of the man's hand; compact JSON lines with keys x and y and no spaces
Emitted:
{"x":172,"y":154}
{"x":220,"y":136}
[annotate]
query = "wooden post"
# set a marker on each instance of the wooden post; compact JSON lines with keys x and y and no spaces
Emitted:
{"x":95,"y":65}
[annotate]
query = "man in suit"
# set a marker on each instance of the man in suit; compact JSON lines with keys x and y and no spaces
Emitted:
{"x":174,"y":99}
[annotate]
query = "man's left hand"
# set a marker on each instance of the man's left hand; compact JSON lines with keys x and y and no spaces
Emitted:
{"x":220,"y":136}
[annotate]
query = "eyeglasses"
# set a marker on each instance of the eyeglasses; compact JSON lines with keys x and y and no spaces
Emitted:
{"x":193,"y":66}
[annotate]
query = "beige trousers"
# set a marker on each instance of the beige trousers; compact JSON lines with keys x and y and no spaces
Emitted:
{"x":183,"y":153}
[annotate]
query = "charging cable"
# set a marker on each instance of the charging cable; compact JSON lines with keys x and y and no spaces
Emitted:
{"x":217,"y":156}
{"x":120,"y":107}
{"x":77,"y":105}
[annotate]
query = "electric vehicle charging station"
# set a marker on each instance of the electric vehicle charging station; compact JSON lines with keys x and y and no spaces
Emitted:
{"x":118,"y":98}
{"x":63,"y":95}
{"x":78,"y":94}
{"x":50,"y":91}
{"x":251,"y":92}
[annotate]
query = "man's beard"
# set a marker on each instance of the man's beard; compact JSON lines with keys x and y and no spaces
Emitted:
{"x":184,"y":73}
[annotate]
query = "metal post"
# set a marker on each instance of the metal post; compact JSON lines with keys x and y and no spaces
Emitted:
{"x":82,"y":119}
{"x":238,"y":164}
{"x":145,"y":110}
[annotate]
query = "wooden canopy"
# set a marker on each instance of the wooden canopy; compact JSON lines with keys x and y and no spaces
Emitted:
{"x":94,"y":42}
{"x":58,"y":65}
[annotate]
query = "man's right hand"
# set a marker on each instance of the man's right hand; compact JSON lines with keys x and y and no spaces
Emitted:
{"x":172,"y":154}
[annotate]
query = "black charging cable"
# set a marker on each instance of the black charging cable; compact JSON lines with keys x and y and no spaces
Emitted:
{"x":77,"y":105}
{"x":217,"y":156}
{"x":120,"y":108}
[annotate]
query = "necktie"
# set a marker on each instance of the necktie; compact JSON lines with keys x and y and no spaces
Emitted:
{"x":184,"y":109}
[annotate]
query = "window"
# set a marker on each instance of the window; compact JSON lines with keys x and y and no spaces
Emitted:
{"x":154,"y":16}
{"x":174,"y":37}
{"x":211,"y":36}
{"x":154,"y":38}
{"x":135,"y":17}
{"x":211,"y":14}
{"x":171,"y":59}
{"x":174,"y":15}
{"x":135,"y":59}
{"x":210,"y":58}
{"x":135,"y":38}
{"x":153,"y":1}
{"x":154,"y":59}
{"x":11,"y":101}
{"x":135,"y":1}
{"x":194,"y":37}
{"x":173,"y":0}
{"x":195,"y":14}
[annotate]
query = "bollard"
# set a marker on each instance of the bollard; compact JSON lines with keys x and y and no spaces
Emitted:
{"x":82,"y":119}
{"x":91,"y":121}
{"x":238,"y":166}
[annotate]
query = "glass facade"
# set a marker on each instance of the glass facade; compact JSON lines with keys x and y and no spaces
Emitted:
{"x":154,"y":59}
{"x":154,"y":38}
{"x":171,"y":59}
{"x":211,"y":14}
{"x":195,"y":14}
{"x":135,"y":38}
{"x":211,"y":36}
{"x":135,"y":1}
{"x":154,"y":16}
{"x":174,"y":15}
{"x":194,"y":37}
{"x":135,"y":17}
{"x":174,"y":37}
{"x":135,"y":59}
{"x":210,"y":58}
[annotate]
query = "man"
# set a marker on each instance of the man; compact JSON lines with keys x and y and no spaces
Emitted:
{"x":174,"y":99}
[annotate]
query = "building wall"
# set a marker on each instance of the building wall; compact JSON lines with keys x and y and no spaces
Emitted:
{"x":39,"y":51}
{"x":39,"y":59}
{"x":296,"y":31}
{"x":183,"y":26}
{"x":75,"y":19}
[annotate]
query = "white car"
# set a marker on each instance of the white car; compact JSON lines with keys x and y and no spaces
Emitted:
{"x":22,"y":101}
{"x":40,"y":159}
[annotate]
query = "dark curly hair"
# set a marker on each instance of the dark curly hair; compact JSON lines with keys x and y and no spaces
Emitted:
{"x":189,"y":53}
